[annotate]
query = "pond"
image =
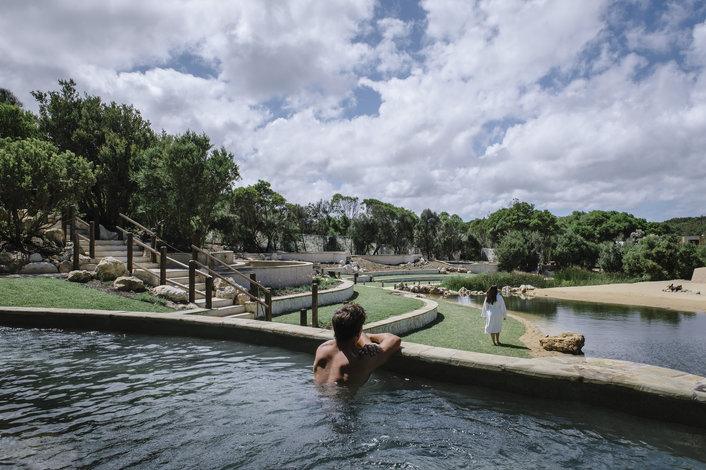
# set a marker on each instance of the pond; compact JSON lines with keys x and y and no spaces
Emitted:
{"x":102,"y":400}
{"x":654,"y":336}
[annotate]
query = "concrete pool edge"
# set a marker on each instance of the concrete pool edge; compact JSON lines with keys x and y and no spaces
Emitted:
{"x":631,"y":387}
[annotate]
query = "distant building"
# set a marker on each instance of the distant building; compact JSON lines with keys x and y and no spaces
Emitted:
{"x":696,"y":239}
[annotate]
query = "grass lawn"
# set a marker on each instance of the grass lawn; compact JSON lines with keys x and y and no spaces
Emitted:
{"x":58,"y":293}
{"x":461,"y":327}
{"x":379,"y":304}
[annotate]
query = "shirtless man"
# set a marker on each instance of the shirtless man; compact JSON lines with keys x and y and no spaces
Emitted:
{"x":353,"y":355}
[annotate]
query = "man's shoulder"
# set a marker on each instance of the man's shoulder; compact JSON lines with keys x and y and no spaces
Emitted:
{"x":329,"y":347}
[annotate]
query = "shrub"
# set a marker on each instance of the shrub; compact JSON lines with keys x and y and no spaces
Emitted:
{"x":501,"y":279}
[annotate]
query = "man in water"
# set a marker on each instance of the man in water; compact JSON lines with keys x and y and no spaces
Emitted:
{"x":353,"y":355}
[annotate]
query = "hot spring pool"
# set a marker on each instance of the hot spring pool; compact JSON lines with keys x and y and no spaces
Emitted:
{"x":103,"y":400}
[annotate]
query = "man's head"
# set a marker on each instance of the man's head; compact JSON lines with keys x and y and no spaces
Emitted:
{"x":348,"y":322}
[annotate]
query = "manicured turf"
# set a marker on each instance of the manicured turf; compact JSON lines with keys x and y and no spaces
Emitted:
{"x":461,"y":327}
{"x":379,"y":304}
{"x":58,"y":293}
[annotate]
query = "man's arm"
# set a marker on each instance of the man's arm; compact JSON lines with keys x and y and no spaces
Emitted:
{"x":387,"y":343}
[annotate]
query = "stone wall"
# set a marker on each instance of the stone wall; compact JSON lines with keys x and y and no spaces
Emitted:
{"x":296,"y":302}
{"x":392,"y":259}
{"x":699,"y":275}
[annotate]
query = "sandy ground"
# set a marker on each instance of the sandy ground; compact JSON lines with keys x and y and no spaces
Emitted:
{"x":648,"y":294}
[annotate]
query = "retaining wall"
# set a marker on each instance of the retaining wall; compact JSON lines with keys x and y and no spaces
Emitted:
{"x":392,"y":259}
{"x":626,"y":386}
{"x":296,"y":302}
{"x":328,"y":257}
{"x":699,"y":275}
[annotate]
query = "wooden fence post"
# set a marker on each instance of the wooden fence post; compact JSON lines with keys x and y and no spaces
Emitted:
{"x":253,"y":287}
{"x":129,"y":252}
{"x":74,"y":236}
{"x":163,"y":265}
{"x":315,"y":304}
{"x":209,"y":292}
{"x":153,"y":255}
{"x":302,"y":317}
{"x":268,"y":308}
{"x":192,"y":281}
{"x":355,"y":278}
{"x":92,"y":242}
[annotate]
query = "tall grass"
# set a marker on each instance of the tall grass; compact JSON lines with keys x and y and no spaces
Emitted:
{"x":567,"y":277}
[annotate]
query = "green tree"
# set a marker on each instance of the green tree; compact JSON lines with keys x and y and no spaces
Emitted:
{"x":111,"y":136}
{"x":426,"y":233}
{"x":658,"y":258}
{"x":610,"y":257}
{"x":6,"y":96}
{"x":517,"y":250}
{"x":362,"y":232}
{"x":450,"y":235}
{"x":36,"y":179}
{"x":16,"y":123}
{"x":470,"y":246}
{"x":181,"y":183}
{"x":573,"y":250}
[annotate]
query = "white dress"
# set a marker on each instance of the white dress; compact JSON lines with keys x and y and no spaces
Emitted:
{"x":494,"y":314}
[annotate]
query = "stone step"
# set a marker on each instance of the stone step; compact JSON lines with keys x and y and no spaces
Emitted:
{"x":228,"y":311}
{"x":215,"y":302}
{"x":244,"y":316}
{"x":111,"y":243}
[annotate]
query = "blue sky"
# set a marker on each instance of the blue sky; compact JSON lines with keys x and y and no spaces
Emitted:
{"x":451,"y":105}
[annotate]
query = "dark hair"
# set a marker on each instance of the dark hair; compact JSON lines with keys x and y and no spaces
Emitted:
{"x":348,"y":321}
{"x":492,"y":295}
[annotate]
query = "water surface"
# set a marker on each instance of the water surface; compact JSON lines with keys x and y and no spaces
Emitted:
{"x":654,"y":336}
{"x":101,"y":400}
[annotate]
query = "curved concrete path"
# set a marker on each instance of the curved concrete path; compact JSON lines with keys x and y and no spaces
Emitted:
{"x":635,"y":388}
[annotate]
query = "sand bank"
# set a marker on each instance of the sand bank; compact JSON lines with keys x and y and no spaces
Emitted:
{"x":646,"y":294}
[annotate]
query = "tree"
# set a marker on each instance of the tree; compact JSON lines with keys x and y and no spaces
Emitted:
{"x":450,"y":235}
{"x":36,"y":179}
{"x":470,"y":246}
{"x":426,"y":232}
{"x":180,"y":184}
{"x":610,"y":257}
{"x":518,"y":250}
{"x":362,"y":233}
{"x":658,"y":258}
{"x":573,"y":250}
{"x":16,"y":123}
{"x":6,"y":96}
{"x":110,"y":136}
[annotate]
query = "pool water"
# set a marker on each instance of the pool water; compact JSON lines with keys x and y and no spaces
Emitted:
{"x":654,"y":336}
{"x":73,"y":399}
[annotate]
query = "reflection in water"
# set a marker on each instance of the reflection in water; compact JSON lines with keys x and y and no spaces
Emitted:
{"x":641,"y":334}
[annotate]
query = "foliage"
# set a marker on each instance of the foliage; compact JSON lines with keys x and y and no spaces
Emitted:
{"x":110,"y":136}
{"x":180,"y":182}
{"x":574,"y":276}
{"x":6,"y":96}
{"x":518,"y":250}
{"x":426,"y":232}
{"x":470,"y":246}
{"x":604,"y":226}
{"x":658,"y":258}
{"x":610,"y":257}
{"x":520,"y":216}
{"x":574,"y":250}
{"x":481,"y":282}
{"x":36,"y":179}
{"x":687,"y":226}
{"x":16,"y":123}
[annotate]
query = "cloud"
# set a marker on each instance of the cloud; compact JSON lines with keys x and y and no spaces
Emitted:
{"x":568,"y":105}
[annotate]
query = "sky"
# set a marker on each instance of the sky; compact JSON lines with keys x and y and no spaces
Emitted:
{"x":453,"y":105}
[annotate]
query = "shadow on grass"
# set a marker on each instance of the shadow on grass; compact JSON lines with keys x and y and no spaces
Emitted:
{"x":513,"y":346}
{"x":439,"y":318}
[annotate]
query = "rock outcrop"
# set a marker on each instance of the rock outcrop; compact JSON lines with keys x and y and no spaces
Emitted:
{"x":41,"y":267}
{"x":567,"y":342}
{"x":110,"y":269}
{"x":129,"y":284}
{"x":171,"y":293}
{"x":79,"y":276}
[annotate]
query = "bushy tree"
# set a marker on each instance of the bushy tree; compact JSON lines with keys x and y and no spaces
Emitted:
{"x":610,"y":257}
{"x":110,"y":136}
{"x":180,"y":183}
{"x":573,"y":250}
{"x":6,"y":96}
{"x":518,"y":250}
{"x":36,"y":179}
{"x":470,"y":246}
{"x":15,"y":123}
{"x":658,"y":258}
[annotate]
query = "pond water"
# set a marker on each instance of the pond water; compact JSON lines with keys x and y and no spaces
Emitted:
{"x":101,"y":400}
{"x":655,"y":336}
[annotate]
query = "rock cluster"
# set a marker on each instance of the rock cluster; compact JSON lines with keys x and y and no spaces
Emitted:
{"x":46,"y":255}
{"x":425,"y":289}
{"x":453,"y":269}
{"x":567,"y":342}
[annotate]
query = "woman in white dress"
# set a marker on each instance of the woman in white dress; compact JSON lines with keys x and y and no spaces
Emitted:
{"x":494,"y":313}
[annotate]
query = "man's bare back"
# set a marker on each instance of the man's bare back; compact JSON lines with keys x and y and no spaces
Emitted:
{"x":352,"y":361}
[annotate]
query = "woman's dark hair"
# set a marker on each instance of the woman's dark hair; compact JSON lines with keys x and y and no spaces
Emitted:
{"x":347,"y":321}
{"x":492,"y":295}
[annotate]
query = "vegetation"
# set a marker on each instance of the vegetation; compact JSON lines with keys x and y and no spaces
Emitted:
{"x":56,"y":293}
{"x":687,"y":226}
{"x":481,"y":282}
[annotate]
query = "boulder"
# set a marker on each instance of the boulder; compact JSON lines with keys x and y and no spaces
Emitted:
{"x":65,"y":266}
{"x":39,"y":268}
{"x":172,"y":293}
{"x":36,"y":241}
{"x":147,"y":278}
{"x":11,"y":261}
{"x":35,"y":258}
{"x":79,"y":276}
{"x":129,"y":283}
{"x":110,"y":269}
{"x":228,"y":292}
{"x":55,"y":235}
{"x":567,"y":342}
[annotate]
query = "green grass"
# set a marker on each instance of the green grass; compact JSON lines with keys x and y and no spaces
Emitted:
{"x":57,"y":293}
{"x":461,"y":327}
{"x":569,"y":277}
{"x":379,"y":304}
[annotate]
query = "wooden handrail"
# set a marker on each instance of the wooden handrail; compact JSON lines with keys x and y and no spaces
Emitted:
{"x":151,"y":273}
{"x":231,"y":282}
{"x":79,"y":219}
{"x":137,"y":224}
{"x":227,"y":266}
